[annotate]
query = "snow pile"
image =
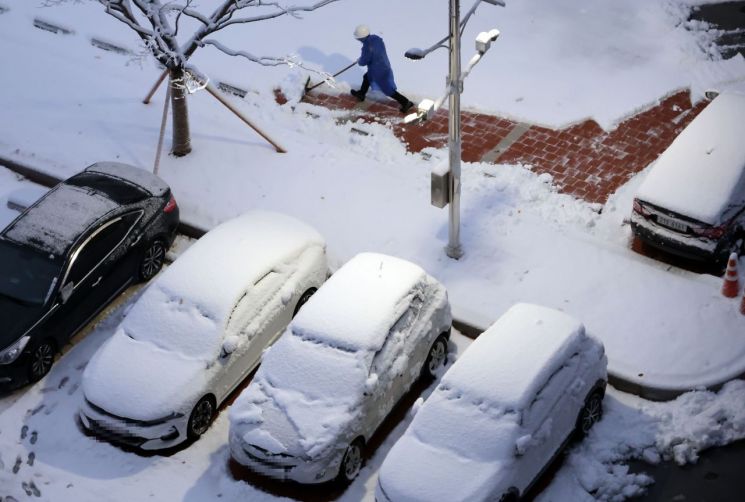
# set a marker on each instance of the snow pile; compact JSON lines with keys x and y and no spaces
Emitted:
{"x":635,"y":429}
{"x":702,"y":173}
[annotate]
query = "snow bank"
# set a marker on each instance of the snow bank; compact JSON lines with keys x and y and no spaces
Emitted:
{"x":702,"y":174}
{"x":631,"y":428}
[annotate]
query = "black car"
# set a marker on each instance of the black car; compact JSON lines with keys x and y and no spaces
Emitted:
{"x":73,"y":251}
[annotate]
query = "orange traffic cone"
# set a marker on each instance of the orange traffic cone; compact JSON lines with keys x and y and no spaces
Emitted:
{"x":731,"y":287}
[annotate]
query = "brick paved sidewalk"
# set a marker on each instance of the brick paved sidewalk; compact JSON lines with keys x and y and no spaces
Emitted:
{"x":584,"y":160}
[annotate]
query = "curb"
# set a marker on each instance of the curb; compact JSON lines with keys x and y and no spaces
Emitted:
{"x":471,"y":331}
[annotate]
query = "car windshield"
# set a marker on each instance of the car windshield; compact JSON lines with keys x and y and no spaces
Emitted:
{"x":492,"y":432}
{"x":316,"y":370}
{"x":26,"y":275}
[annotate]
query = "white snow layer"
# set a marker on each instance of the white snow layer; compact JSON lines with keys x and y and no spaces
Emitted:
{"x":357,"y":306}
{"x":518,"y":353}
{"x":702,"y":173}
{"x":188,"y":306}
{"x":141,"y":177}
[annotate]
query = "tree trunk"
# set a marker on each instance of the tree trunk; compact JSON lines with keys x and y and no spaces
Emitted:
{"x":181,"y":138}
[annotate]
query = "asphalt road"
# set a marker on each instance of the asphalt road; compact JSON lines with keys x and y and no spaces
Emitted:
{"x":730,"y":18}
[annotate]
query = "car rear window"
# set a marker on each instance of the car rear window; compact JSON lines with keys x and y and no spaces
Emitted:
{"x":118,"y":190}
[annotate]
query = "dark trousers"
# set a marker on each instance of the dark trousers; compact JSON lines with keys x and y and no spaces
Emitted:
{"x":396,"y":95}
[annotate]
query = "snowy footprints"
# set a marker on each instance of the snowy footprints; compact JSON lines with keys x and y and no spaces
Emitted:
{"x":31,"y":489}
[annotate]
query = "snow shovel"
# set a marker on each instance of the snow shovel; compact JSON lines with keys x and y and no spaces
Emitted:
{"x":307,"y":82}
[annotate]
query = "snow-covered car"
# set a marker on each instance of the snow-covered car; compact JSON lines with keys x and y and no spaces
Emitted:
{"x":692,"y":202}
{"x":200,"y":329}
{"x":71,"y":252}
{"x":501,"y":413}
{"x":322,"y":390}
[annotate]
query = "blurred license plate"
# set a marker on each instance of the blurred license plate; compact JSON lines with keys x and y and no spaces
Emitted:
{"x":671,"y":223}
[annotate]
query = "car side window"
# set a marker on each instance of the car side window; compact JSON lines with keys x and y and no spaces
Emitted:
{"x":256,"y":308}
{"x":97,"y":247}
{"x":551,"y":392}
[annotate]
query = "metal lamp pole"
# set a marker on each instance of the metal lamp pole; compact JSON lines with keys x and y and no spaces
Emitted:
{"x":455,"y":85}
{"x":446,"y":184}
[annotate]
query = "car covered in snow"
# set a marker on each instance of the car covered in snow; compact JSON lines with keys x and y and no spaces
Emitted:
{"x":200,"y":329}
{"x":692,"y":202}
{"x":67,"y":255}
{"x":377,"y":325}
{"x":501,"y":413}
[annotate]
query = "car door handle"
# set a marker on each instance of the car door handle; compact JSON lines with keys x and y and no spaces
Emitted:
{"x":98,"y":281}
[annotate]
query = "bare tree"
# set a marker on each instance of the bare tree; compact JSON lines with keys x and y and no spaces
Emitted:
{"x":157,"y":23}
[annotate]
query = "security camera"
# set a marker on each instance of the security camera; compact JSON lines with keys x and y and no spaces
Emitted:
{"x":483,"y":42}
{"x":494,"y":34}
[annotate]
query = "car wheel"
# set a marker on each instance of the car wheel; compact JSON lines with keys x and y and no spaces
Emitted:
{"x":511,"y":496}
{"x":436,"y":358}
{"x":201,"y":417}
{"x":152,"y":260}
{"x":590,"y":414}
{"x":351,"y":464}
{"x":302,"y":301}
{"x":41,"y":360}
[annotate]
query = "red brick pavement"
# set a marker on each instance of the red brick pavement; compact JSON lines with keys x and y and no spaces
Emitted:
{"x":584,"y":160}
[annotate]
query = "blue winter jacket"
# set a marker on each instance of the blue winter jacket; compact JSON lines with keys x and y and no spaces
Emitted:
{"x":378,"y":67}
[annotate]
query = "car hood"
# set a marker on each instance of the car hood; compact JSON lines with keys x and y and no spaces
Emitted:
{"x":282,"y":422}
{"x":137,"y":380}
{"x":16,"y":318}
{"x":415,"y":471}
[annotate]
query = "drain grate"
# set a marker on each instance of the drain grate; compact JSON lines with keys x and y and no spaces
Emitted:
{"x":50,"y":27}
{"x":107,"y":46}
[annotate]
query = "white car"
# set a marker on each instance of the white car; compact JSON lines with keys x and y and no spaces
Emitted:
{"x":322,"y":390}
{"x":501,"y":413}
{"x":200,"y":329}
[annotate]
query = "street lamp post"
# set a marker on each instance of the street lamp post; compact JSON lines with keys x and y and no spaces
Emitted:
{"x":427,"y":108}
{"x":455,"y":87}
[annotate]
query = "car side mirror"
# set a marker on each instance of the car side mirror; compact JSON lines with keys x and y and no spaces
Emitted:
{"x":66,"y":291}
{"x":371,"y":384}
{"x":229,"y":346}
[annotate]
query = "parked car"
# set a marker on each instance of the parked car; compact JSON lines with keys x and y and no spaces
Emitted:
{"x":200,"y":329}
{"x":322,"y":390}
{"x":69,"y":254}
{"x":501,"y":413}
{"x":692,"y":202}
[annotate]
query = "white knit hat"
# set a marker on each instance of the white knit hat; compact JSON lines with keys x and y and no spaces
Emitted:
{"x":361,"y":32}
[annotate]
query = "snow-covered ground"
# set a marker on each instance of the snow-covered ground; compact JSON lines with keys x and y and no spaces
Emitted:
{"x":67,"y":104}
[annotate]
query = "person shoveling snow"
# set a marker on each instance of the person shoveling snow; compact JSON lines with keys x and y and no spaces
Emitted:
{"x":379,"y":70}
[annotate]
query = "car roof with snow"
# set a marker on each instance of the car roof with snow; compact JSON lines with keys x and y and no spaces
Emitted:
{"x":357,"y":306}
{"x":192,"y":299}
{"x":55,"y":222}
{"x":703,"y":170}
{"x":507,"y":364}
{"x":67,"y":211}
{"x":140,"y":177}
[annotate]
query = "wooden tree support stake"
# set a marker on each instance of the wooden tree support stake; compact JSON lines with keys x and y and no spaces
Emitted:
{"x":211,"y":89}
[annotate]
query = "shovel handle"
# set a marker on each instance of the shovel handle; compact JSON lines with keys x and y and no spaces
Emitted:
{"x":334,"y":75}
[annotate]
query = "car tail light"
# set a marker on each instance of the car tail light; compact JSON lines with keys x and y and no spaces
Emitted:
{"x":171,"y":205}
{"x":639,"y":208}
{"x":710,"y":232}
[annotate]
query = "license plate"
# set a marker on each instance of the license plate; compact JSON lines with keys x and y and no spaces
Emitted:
{"x":671,"y":223}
